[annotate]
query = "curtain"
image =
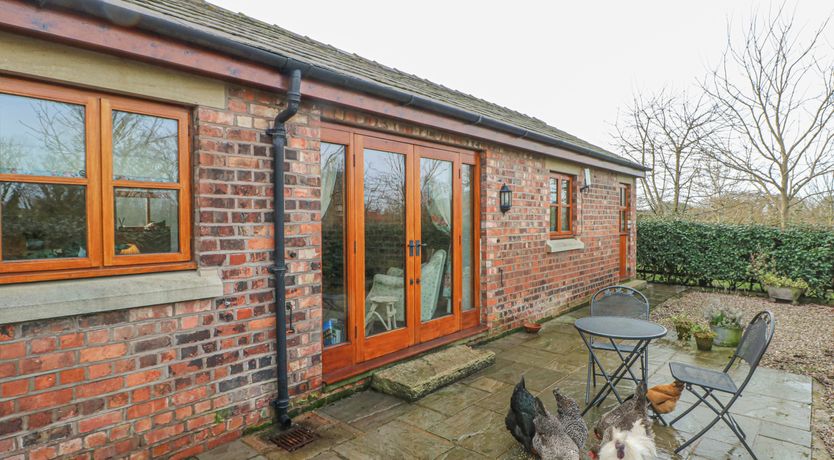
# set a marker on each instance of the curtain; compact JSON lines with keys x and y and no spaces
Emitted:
{"x":440,"y":205}
{"x":329,"y":171}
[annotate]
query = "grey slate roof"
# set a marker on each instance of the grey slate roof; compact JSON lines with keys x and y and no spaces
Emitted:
{"x":252,"y":32}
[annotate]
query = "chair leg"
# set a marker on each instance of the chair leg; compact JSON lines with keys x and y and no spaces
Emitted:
{"x":723,"y":415}
{"x":690,"y":407}
{"x":588,"y":380}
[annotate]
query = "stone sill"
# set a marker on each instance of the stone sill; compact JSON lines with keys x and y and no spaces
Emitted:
{"x":564,"y":244}
{"x":53,"y":299}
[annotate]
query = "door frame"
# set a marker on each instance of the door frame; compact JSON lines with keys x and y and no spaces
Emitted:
{"x":357,"y":348}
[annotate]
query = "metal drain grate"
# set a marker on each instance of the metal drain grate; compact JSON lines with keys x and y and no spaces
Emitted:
{"x":293,"y":439}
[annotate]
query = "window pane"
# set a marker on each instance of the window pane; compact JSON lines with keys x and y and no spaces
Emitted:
{"x":554,"y":190}
{"x":622,"y":221}
{"x":43,"y":221}
{"x":334,"y":322}
{"x":553,"y":214}
{"x":147,"y":221}
{"x":436,"y":237}
{"x":467,"y":235}
{"x":144,"y":148}
{"x":41,"y":138}
{"x":565,"y":196}
{"x":385,"y":203}
{"x":565,"y":222}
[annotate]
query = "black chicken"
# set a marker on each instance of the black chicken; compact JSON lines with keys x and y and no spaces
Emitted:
{"x":524,"y":408}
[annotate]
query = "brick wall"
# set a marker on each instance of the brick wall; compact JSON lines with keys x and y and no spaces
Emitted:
{"x":173,"y":380}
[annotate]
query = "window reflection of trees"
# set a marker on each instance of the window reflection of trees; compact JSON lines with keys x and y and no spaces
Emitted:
{"x":384,"y":184}
{"x":144,"y":147}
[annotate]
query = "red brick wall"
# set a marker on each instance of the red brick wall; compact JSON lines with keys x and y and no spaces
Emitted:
{"x":173,"y":380}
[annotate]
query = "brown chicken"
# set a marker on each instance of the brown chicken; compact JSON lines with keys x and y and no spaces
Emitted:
{"x":665,"y":397}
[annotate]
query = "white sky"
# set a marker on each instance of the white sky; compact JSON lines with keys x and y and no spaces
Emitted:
{"x":570,"y":63}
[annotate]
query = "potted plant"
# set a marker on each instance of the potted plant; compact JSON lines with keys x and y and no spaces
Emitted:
{"x":781,"y":287}
{"x":703,"y":336}
{"x":727,"y":325}
{"x":683,"y":327}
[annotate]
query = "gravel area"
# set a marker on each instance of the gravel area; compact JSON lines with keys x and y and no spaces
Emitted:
{"x":803,"y":343}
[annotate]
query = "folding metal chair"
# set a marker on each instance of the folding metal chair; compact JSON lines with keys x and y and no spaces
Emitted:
{"x":752,"y":347}
{"x":616,"y":301}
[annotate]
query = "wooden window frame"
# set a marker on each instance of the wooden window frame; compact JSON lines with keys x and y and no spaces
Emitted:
{"x":102,"y":259}
{"x":558,"y":206}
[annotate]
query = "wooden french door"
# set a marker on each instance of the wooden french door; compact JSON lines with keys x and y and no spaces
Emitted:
{"x":624,"y":227}
{"x":405,"y":270}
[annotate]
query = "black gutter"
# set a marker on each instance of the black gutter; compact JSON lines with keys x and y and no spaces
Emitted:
{"x":119,"y":14}
{"x":279,"y":140}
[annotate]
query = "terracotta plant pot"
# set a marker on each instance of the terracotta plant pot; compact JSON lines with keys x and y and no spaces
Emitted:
{"x":531,"y":327}
{"x":726,"y":337}
{"x":704,"y":343}
{"x":785,"y":293}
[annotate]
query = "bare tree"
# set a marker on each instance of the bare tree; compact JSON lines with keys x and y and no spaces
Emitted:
{"x":777,"y":100}
{"x":667,"y":133}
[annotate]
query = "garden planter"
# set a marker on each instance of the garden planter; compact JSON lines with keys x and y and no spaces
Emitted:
{"x":704,"y":343}
{"x":726,"y":337}
{"x":785,"y":293}
{"x":532,"y":328}
{"x":684,"y":333}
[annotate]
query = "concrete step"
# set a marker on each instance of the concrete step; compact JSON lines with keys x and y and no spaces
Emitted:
{"x":414,"y":379}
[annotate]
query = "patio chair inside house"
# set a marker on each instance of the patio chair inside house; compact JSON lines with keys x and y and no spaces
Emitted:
{"x":383,"y":303}
{"x":703,"y":383}
{"x":615,"y":301}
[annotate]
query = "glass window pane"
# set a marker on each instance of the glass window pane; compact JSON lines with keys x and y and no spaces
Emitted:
{"x":145,"y":148}
{"x":622,"y":221}
{"x":436,"y":238}
{"x":565,"y":195}
{"x":553,"y":216}
{"x":565,"y":222}
{"x":43,"y":221}
{"x":467,"y":236}
{"x":41,"y":138}
{"x":554,"y":190}
{"x":384,"y":196}
{"x":147,"y":221}
{"x":334,"y":295}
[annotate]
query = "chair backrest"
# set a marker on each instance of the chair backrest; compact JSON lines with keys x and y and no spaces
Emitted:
{"x":432,"y":282}
{"x":620,"y":301}
{"x":756,"y":338}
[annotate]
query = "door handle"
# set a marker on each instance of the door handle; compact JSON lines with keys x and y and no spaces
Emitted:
{"x":418,"y":246}
{"x":418,"y":281}
{"x":411,"y":247}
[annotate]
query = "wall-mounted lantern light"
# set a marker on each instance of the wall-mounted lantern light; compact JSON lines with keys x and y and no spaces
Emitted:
{"x":587,"y":173}
{"x":505,"y":196}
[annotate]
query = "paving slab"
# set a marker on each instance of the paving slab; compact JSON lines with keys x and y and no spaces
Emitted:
{"x":414,"y":379}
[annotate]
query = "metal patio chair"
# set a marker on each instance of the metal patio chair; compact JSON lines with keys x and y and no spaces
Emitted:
{"x":750,"y":349}
{"x":616,"y":301}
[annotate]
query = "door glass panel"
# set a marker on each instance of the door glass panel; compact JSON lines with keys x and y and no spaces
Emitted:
{"x":334,"y":295}
{"x":147,"y":221}
{"x":42,"y":221}
{"x":145,"y":148}
{"x":436,"y":237}
{"x":41,"y":138}
{"x":385,"y":270}
{"x":467,"y":235}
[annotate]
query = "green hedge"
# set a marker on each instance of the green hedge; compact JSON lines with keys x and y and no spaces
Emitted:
{"x":719,"y":255}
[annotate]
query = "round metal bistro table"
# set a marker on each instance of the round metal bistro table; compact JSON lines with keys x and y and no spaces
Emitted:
{"x":616,"y":328}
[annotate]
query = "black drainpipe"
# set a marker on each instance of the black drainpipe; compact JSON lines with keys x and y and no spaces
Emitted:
{"x":279,"y":140}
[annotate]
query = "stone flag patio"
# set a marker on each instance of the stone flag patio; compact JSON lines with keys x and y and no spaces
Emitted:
{"x":466,"y":419}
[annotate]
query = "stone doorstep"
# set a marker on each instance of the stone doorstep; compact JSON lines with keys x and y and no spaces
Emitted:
{"x":414,"y":379}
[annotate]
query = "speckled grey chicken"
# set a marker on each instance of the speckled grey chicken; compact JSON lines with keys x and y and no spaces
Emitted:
{"x":551,"y":441}
{"x":623,"y":416}
{"x":570,"y":416}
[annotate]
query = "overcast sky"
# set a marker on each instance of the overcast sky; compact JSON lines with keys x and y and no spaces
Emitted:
{"x":573,"y":64}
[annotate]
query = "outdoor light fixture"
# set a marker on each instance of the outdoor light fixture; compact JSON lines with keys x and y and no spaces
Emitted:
{"x":505,"y":196}
{"x":587,"y":173}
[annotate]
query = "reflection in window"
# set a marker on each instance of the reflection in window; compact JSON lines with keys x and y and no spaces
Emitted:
{"x":467,"y":234}
{"x":436,"y":233}
{"x":41,"y":138}
{"x":42,"y":221}
{"x":144,"y":148}
{"x":334,"y":295}
{"x":384,"y":195}
{"x":147,"y":221}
